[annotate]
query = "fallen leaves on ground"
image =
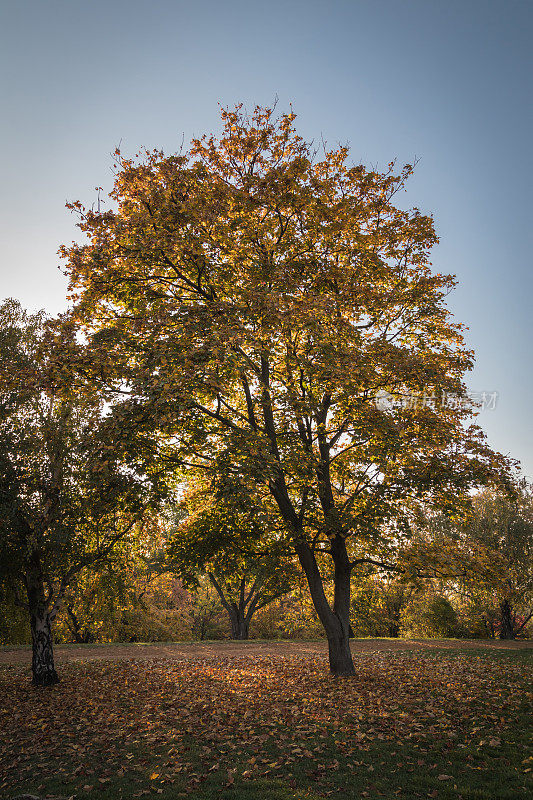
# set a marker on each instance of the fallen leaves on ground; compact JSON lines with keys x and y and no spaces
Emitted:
{"x":164,"y":721}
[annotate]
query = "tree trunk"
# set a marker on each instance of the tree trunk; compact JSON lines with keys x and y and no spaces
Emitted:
{"x":340,"y":656}
{"x":80,"y":636}
{"x":240,"y":627}
{"x":238,"y":616}
{"x":394,"y":630}
{"x":43,"y":670}
{"x":507,"y":628}
{"x":336,"y":622}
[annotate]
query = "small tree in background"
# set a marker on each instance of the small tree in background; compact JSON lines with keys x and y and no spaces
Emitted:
{"x":14,"y":622}
{"x":378,"y":604}
{"x":207,"y":615}
{"x":127,"y":597}
{"x":499,"y":534}
{"x":431,"y":615}
{"x":231,"y":542}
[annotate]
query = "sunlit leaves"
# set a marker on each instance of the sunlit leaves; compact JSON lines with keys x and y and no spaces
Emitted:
{"x":254,"y":296}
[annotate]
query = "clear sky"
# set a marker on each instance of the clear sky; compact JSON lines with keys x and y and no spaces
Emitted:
{"x":447,"y":81}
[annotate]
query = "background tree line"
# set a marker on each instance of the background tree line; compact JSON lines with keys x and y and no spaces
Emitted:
{"x":185,"y":573}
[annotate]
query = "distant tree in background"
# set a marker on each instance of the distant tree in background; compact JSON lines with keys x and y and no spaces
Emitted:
{"x":14,"y":620}
{"x":379,"y":602}
{"x":431,"y":615}
{"x":127,"y":597}
{"x":233,"y":543}
{"x":499,"y":534}
{"x":208,"y":616}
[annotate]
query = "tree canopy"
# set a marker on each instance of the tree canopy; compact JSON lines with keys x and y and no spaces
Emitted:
{"x":257,"y":298}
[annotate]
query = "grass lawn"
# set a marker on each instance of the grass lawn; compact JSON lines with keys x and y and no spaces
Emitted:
{"x":436,"y":723}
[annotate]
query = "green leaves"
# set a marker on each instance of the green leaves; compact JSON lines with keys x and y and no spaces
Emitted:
{"x":67,"y":492}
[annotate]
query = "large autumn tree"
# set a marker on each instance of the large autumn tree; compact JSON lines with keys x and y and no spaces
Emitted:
{"x":257,"y":298}
{"x":67,"y":497}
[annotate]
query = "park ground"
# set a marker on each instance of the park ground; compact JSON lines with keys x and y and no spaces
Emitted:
{"x":252,"y":720}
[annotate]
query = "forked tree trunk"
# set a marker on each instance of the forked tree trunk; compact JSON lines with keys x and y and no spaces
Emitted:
{"x":240,"y":626}
{"x":42,"y":665}
{"x":240,"y":613}
{"x":336,"y":621}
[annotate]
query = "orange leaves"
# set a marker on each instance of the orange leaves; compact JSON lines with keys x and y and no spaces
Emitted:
{"x":166,"y":727}
{"x":263,"y":297}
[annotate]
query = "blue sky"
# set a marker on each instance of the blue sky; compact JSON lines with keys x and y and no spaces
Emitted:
{"x":446,"y":81}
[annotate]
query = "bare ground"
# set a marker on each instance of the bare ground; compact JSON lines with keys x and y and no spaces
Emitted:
{"x":180,"y":651}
